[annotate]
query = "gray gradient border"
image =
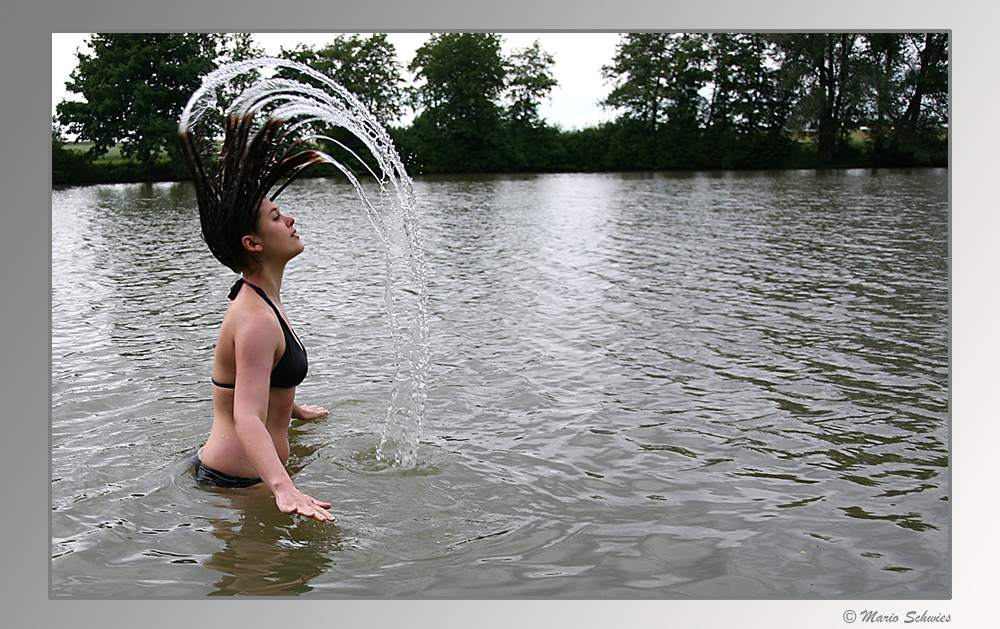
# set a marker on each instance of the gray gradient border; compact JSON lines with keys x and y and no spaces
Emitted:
{"x":25,"y":253}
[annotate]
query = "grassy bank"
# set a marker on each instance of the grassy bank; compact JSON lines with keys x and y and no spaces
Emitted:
{"x":71,"y":165}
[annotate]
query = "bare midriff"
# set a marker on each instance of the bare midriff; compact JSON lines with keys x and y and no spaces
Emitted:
{"x":223,"y":450}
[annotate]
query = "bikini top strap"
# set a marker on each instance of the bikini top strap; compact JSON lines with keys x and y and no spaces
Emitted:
{"x":235,"y":290}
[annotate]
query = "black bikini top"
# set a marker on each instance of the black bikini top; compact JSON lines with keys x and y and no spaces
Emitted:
{"x":291,"y":369}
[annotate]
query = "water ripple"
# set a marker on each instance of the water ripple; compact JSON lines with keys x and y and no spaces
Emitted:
{"x":641,"y":385}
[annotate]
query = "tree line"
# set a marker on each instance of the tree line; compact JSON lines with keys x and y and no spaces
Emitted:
{"x":680,"y":101}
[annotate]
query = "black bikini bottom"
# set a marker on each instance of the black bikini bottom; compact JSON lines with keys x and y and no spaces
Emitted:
{"x":206,"y":475}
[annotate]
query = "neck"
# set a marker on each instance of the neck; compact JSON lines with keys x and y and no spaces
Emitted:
{"x":267,"y":279}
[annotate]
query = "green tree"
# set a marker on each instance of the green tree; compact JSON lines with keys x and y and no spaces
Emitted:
{"x":749,"y":103}
{"x":641,"y":77}
{"x":367,"y":67}
{"x":927,"y":82}
{"x":885,"y":52}
{"x":658,"y":79}
{"x":658,"y":76}
{"x":239,"y":47}
{"x":909,"y":104}
{"x":529,"y":81}
{"x":68,"y":166}
{"x":58,"y":133}
{"x":832,"y":76}
{"x":746,"y":84}
{"x":134,"y":86}
{"x":460,"y":79}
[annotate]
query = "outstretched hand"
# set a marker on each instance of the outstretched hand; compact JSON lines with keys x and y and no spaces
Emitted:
{"x":295,"y":501}
{"x":307,"y":412}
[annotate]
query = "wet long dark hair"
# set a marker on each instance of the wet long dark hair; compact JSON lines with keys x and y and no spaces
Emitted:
{"x":231,"y":186}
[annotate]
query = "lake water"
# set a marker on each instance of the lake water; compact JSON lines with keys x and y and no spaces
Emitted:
{"x":642,"y":385}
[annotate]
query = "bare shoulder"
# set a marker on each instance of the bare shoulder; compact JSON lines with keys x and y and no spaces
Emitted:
{"x":253,"y":320}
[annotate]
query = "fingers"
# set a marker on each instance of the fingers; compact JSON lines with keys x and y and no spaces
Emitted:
{"x":319,"y":504}
{"x":320,"y":514}
{"x":313,"y":412}
{"x":317,"y":510}
{"x":313,"y":512}
{"x":310,"y":508}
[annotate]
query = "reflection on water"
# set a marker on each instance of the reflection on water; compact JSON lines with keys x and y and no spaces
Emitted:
{"x":642,"y":385}
{"x":263,"y":556}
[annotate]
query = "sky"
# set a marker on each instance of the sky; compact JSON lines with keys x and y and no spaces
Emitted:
{"x":573,"y":103}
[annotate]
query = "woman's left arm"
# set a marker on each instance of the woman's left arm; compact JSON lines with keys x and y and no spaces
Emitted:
{"x":307,"y":412}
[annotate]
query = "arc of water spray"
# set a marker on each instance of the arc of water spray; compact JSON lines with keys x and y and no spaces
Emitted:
{"x":307,"y":110}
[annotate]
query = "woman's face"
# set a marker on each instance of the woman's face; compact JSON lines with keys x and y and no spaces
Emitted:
{"x":276,"y":233}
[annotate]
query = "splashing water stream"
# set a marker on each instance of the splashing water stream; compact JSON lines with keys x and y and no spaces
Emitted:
{"x":311,"y":112}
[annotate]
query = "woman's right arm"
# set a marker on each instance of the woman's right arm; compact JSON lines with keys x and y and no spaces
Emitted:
{"x":256,"y":340}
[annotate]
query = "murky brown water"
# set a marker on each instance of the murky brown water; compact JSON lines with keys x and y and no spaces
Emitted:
{"x":641,"y":386}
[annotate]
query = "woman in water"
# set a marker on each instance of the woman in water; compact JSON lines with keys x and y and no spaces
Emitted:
{"x":258,"y":359}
